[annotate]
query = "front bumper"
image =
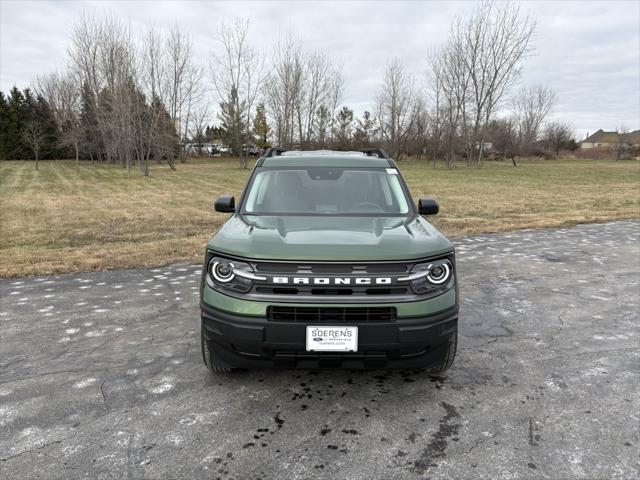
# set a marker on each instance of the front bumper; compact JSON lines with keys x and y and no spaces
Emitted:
{"x":250,"y":341}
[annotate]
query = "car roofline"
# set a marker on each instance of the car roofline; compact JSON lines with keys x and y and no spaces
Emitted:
{"x":272,"y":152}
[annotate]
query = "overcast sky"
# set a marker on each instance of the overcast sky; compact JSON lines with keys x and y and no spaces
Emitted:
{"x":588,"y":52}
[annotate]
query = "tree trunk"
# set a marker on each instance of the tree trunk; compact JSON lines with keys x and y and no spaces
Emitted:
{"x":480,"y":152}
{"x":36,"y":152}
{"x":77,"y":165}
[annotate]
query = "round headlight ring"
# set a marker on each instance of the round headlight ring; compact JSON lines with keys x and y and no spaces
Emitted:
{"x":224,"y":276}
{"x":443,"y":277}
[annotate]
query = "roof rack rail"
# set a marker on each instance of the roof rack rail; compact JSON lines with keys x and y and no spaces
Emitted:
{"x":273,"y":151}
{"x":269,"y":152}
{"x":380,"y":153}
{"x":370,"y":152}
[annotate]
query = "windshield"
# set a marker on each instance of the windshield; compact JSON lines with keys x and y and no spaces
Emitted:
{"x":326,"y":191}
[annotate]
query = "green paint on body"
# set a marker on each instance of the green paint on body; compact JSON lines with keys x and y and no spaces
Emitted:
{"x":329,"y":238}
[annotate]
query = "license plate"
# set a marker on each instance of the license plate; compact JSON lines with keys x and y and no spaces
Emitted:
{"x":332,"y":339}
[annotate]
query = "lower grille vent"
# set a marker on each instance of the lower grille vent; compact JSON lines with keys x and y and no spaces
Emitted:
{"x":331,"y":314}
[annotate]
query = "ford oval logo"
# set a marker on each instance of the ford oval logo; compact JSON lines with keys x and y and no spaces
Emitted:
{"x":317,"y":339}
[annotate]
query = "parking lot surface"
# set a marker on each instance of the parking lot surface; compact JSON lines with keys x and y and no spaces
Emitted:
{"x":102,"y":377}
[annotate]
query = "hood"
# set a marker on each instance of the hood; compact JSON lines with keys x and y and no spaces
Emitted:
{"x":329,"y":238}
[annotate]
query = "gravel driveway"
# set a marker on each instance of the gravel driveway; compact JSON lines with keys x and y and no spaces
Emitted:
{"x":102,"y":378}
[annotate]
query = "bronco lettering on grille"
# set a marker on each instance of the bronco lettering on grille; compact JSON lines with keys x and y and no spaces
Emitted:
{"x":332,"y":280}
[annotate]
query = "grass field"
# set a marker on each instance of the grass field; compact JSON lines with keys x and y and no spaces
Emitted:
{"x":57,"y":220}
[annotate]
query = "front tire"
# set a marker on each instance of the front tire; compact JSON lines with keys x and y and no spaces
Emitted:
{"x":208,"y":357}
{"x":443,"y":363}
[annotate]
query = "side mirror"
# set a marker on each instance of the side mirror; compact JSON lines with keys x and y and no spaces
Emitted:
{"x":225,"y":204}
{"x":428,"y":206}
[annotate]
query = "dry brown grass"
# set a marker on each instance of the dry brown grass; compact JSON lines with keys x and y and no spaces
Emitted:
{"x":56,"y":220}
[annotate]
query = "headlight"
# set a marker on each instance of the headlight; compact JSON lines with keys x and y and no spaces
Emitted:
{"x":439,"y":273}
{"x":225,"y":274}
{"x":222,"y":271}
{"x":425,"y":277}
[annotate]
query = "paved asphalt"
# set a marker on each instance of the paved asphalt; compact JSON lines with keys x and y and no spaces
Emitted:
{"x":102,"y":378}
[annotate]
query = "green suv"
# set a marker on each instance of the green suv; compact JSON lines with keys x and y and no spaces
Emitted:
{"x":326,"y":262}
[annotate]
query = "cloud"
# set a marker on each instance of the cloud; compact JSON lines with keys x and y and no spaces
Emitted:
{"x":589,"y":52}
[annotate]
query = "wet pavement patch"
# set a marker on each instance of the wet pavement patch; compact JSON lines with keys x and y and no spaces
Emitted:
{"x":448,"y":427}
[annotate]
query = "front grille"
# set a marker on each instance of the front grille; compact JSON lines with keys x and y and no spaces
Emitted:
{"x":335,"y":282}
{"x":337,"y":269}
{"x":331,"y":268}
{"x":336,"y":291}
{"x":331,"y":314}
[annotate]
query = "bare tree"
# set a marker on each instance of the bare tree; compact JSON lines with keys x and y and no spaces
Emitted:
{"x":151,"y":72}
{"x":102,"y":53}
{"x":435,"y":100}
{"x":557,"y":135}
{"x":621,"y":143}
{"x":283,"y":87}
{"x":62,"y":94}
{"x":83,"y":51}
{"x":531,"y":107}
{"x":396,"y":107}
{"x":302,"y":93}
{"x":237,"y":77}
{"x":146,"y":107}
{"x":35,"y":136}
{"x":127,"y":83}
{"x":195,"y":96}
{"x":199,"y":123}
{"x":315,"y":90}
{"x":114,"y":100}
{"x":420,"y":129}
{"x":183,"y":77}
{"x":336,"y":91}
{"x":505,"y":138}
{"x":451,"y":82}
{"x":492,"y":44}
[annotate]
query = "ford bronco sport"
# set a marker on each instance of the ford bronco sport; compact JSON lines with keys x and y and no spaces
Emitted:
{"x":326,"y":262}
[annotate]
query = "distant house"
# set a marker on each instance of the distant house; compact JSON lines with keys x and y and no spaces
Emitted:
{"x":602,"y":139}
{"x":632,"y":139}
